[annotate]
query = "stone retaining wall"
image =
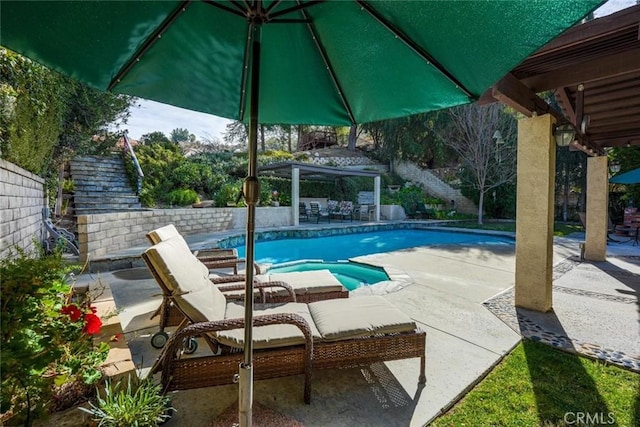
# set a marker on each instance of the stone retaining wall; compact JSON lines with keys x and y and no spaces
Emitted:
{"x":22,"y":197}
{"x":434,"y":186}
{"x":102,"y":234}
{"x":341,"y":161}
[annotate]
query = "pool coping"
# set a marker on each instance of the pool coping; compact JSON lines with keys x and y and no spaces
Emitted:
{"x":239,"y":239}
{"x":131,"y":258}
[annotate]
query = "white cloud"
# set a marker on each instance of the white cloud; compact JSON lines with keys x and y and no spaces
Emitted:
{"x":153,"y":116}
{"x":613,"y":6}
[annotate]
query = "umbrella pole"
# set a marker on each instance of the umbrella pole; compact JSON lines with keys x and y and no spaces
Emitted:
{"x":251,"y":191}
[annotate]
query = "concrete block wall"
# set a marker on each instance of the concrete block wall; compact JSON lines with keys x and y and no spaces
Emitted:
{"x":22,"y":197}
{"x":434,"y":186}
{"x":102,"y":234}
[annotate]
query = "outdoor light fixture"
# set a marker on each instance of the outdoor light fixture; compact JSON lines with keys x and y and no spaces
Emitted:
{"x":498,"y":137}
{"x":615,"y":167}
{"x":564,"y":134}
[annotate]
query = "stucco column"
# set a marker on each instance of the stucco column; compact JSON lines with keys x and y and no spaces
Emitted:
{"x":595,"y":248}
{"x":534,"y":214}
{"x":376,"y":196}
{"x":295,"y":195}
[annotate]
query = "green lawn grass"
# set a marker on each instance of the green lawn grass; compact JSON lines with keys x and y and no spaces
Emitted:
{"x":537,"y":385}
{"x":559,"y":229}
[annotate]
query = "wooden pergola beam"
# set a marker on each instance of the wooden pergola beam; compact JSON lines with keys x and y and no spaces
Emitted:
{"x":599,"y":68}
{"x":562,"y":94}
{"x":510,"y":91}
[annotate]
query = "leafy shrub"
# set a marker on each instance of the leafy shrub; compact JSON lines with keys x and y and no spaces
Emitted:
{"x":141,"y":404}
{"x":228,"y":193}
{"x":46,"y":334}
{"x":157,"y":161}
{"x":197,"y":176}
{"x":182,"y":197}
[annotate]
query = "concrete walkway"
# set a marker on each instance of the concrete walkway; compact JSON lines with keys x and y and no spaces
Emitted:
{"x":462,"y":298}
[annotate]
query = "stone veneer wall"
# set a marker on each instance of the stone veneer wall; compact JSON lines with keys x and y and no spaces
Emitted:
{"x":22,"y":197}
{"x":102,"y":234}
{"x":342,"y":161}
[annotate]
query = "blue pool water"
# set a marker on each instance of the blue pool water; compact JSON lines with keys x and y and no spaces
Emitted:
{"x":352,"y":275}
{"x":342,"y":247}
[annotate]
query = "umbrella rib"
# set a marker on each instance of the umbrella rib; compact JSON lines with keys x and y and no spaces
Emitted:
{"x":300,"y":6}
{"x":272,"y":6}
{"x":325,"y":59}
{"x":239,"y":12}
{"x":238,"y":6}
{"x":245,"y":74}
{"x":148,"y":43}
{"x":419,"y":50}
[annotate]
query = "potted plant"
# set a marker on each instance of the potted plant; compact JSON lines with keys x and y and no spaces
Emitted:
{"x":141,"y":404}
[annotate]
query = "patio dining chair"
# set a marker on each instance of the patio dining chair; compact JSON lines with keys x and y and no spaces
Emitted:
{"x":289,"y":338}
{"x":318,"y":213}
{"x":303,"y":211}
{"x":344,"y":210}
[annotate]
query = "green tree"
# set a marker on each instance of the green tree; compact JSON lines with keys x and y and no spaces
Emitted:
{"x":179,"y":135}
{"x":156,"y":137}
{"x":410,"y":138}
{"x":628,"y":158}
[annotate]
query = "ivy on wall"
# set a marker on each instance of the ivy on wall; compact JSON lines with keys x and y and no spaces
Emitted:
{"x":46,"y":117}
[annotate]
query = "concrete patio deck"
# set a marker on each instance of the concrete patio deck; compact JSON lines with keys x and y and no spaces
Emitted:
{"x":462,"y":298}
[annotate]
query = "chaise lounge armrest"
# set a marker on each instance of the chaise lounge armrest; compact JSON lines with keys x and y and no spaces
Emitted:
{"x":173,"y":350}
{"x":260,"y":286}
{"x":215,"y":263}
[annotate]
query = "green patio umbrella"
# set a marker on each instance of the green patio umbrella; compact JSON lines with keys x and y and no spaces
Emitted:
{"x":630,"y":177}
{"x":287,"y":62}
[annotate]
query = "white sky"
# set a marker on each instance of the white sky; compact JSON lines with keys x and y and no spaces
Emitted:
{"x":153,"y":116}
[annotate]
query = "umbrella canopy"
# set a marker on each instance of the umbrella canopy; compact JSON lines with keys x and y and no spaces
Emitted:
{"x":631,"y":177}
{"x":287,"y":62}
{"x":333,"y":63}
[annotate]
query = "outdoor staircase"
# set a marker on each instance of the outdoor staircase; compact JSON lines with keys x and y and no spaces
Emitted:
{"x":434,"y":186}
{"x":101,"y":185}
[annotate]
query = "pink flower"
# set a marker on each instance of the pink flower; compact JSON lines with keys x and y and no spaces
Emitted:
{"x":72,"y":311}
{"x":92,"y":324}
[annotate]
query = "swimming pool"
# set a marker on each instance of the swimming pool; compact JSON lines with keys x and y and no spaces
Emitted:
{"x":345,"y":246}
{"x":352,"y":275}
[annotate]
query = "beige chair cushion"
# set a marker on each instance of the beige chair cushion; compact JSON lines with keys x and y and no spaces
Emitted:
{"x":163,"y":233}
{"x":271,"y":335}
{"x":340,"y":319}
{"x":304,"y":282}
{"x":187,"y":278}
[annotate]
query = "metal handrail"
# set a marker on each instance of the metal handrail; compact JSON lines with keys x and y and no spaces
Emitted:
{"x":134,"y":159}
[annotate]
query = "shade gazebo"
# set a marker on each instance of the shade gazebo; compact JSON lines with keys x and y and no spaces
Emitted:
{"x":295,"y":171}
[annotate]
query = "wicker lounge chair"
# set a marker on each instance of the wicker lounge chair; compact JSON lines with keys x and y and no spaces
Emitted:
{"x":289,"y":339}
{"x":308,"y":286}
{"x":212,"y":258}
